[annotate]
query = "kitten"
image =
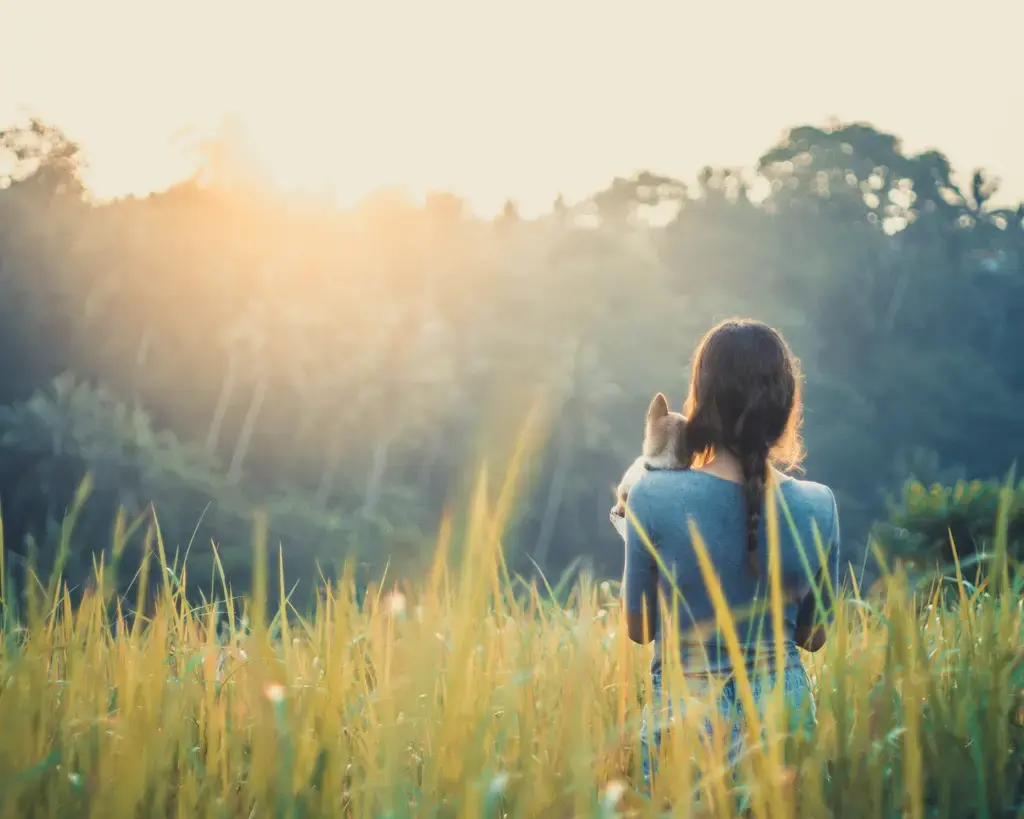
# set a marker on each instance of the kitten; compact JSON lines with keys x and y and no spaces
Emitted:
{"x":663,"y":433}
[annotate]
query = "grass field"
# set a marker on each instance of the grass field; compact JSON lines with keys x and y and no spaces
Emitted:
{"x":471,"y":696}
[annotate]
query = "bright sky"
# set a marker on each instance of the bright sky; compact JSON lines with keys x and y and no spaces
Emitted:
{"x":521,"y":98}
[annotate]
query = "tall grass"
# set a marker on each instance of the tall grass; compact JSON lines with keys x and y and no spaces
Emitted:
{"x":475,"y":695}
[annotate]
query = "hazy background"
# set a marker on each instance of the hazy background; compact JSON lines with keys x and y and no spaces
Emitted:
{"x":323,"y":259}
{"x":496,"y":100}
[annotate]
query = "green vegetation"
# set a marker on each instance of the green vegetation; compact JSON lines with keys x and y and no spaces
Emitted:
{"x":341,"y":368}
{"x":473,"y":694}
{"x":71,"y":432}
{"x":933,"y":528}
{"x":208,"y":355}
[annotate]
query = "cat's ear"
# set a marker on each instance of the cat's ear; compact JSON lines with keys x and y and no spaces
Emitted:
{"x":658,"y":408}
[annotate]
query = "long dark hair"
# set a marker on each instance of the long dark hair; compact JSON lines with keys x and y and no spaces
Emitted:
{"x":745,"y":399}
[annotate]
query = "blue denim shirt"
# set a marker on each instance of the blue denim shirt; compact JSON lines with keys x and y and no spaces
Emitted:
{"x":664,"y":501}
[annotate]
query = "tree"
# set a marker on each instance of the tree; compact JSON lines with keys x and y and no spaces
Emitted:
{"x":345,"y":366}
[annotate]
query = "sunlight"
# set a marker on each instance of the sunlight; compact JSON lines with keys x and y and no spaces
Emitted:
{"x":310,"y":495}
{"x":525,"y":101}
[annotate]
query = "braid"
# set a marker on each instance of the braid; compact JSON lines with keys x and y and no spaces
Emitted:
{"x":744,"y":399}
{"x":755,"y":476}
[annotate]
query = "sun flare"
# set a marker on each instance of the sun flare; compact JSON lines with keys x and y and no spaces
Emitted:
{"x":492,"y":102}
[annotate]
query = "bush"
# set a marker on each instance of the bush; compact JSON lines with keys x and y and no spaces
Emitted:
{"x":932,"y":528}
{"x":58,"y":438}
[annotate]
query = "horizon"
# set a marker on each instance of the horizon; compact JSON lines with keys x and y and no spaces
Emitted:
{"x":500,"y":115}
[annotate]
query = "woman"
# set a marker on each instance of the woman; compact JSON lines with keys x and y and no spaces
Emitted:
{"x":743,"y":418}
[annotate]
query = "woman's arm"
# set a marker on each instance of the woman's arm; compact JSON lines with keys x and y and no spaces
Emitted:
{"x":810,"y":630}
{"x":811,"y":622}
{"x":640,"y":574}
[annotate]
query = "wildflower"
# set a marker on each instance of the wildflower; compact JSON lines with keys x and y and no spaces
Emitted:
{"x":614,"y":792}
{"x":498,"y":784}
{"x":75,"y":779}
{"x":396,"y":604}
{"x":274,"y":692}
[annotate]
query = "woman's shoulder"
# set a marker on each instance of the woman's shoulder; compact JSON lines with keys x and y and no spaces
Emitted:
{"x":669,"y":483}
{"x":816,"y":498}
{"x":668,"y":486}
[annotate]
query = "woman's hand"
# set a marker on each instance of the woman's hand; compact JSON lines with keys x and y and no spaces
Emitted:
{"x":810,"y":638}
{"x":618,"y":520}
{"x":810,"y":632}
{"x":641,"y":627}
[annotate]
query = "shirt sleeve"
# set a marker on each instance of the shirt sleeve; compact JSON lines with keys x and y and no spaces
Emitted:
{"x":835,"y":561}
{"x":640,"y":577}
{"x":827,"y":580}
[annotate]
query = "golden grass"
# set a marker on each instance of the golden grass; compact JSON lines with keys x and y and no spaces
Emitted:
{"x":473,"y":696}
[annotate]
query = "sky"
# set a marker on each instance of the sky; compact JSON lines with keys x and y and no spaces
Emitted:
{"x":497,"y":100}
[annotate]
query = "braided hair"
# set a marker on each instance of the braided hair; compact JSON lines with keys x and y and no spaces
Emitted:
{"x":744,"y":398}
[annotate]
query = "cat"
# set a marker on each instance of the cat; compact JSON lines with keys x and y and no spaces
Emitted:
{"x":663,"y":433}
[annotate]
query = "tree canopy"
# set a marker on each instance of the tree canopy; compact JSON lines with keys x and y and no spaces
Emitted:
{"x":345,"y":369}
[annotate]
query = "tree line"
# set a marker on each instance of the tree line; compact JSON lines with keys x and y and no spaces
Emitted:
{"x":212,"y":349}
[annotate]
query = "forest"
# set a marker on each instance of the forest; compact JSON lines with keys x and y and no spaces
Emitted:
{"x":214,"y":349}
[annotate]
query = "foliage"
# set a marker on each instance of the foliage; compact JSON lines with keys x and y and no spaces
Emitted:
{"x":360,"y":359}
{"x":459,"y":697}
{"x":71,"y":433}
{"x":932,"y":528}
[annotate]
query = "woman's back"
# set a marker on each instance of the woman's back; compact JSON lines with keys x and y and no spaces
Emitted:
{"x":665,"y":501}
